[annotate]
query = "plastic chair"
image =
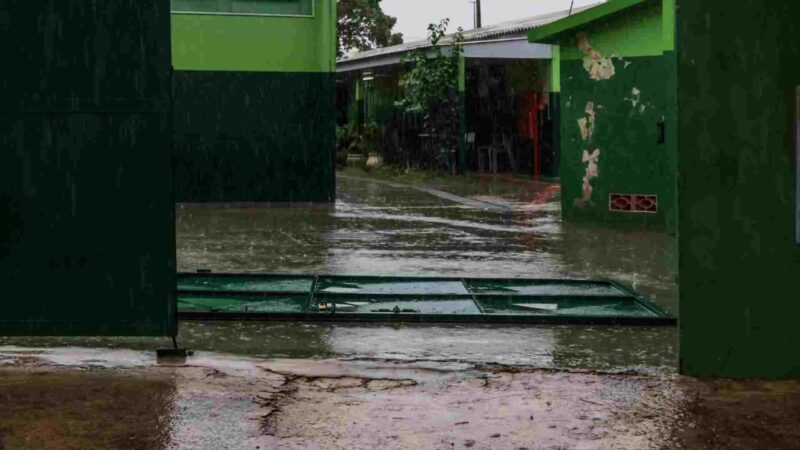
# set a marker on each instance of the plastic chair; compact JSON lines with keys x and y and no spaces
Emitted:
{"x":508,"y":147}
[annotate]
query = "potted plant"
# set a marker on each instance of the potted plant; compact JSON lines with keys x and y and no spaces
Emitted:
{"x":349,"y":146}
{"x":373,"y":136}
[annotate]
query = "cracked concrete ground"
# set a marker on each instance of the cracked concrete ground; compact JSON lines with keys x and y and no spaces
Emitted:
{"x":218,"y":401}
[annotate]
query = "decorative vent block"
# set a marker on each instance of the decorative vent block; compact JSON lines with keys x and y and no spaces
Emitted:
{"x":620,"y":202}
{"x":633,"y":203}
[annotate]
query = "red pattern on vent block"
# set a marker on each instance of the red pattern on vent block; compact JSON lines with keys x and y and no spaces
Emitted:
{"x":645,"y":203}
{"x":633,"y":203}
{"x":621,"y":202}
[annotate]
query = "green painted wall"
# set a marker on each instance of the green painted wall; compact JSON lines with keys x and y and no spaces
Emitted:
{"x":739,"y":261}
{"x":630,"y":106}
{"x":668,"y":26}
{"x":87,"y":228}
{"x":555,"y":70}
{"x":275,"y":7}
{"x":635,"y":32}
{"x":256,"y":43}
{"x":254,"y":107}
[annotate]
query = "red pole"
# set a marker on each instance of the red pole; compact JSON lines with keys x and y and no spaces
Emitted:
{"x":534,"y":133}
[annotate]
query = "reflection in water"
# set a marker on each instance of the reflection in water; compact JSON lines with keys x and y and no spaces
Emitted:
{"x":380,"y":229}
{"x":376,"y":229}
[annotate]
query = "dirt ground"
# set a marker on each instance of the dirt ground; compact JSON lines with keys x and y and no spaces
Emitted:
{"x":83,"y":410}
{"x":215,"y":401}
{"x":740,"y":415}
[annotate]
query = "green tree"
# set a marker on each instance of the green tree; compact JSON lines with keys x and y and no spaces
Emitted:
{"x":430,"y":88}
{"x":433,"y":74}
{"x":364,"y":26}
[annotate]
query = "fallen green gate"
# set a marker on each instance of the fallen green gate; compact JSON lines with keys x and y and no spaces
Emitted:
{"x":209,"y":296}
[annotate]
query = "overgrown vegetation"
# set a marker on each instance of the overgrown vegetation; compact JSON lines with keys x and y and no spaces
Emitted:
{"x":430,"y":88}
{"x":428,"y":108}
{"x":351,"y":138}
{"x":433,"y":77}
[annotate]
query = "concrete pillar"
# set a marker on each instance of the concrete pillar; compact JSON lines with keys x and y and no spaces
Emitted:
{"x":739,"y":257}
{"x":87,"y":230}
{"x":462,"y":113}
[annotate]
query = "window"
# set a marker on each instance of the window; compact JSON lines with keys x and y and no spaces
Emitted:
{"x":258,"y":7}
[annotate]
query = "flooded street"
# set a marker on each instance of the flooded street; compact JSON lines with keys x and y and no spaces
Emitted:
{"x":461,"y":228}
{"x":457,"y":228}
{"x":501,"y":229}
{"x":401,"y":386}
{"x":399,"y":225}
{"x":288,"y":385}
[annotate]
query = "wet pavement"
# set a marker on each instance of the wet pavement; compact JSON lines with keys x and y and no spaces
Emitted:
{"x":289,"y":385}
{"x":72,"y":398}
{"x":408,"y":228}
{"x":225,"y":401}
{"x":380,"y":227}
{"x":448,"y":227}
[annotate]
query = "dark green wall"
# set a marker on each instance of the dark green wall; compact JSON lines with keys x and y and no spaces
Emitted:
{"x":87,"y":239}
{"x":254,"y":136}
{"x":632,"y":159}
{"x":254,"y":106}
{"x":630,"y":105}
{"x":739,"y":261}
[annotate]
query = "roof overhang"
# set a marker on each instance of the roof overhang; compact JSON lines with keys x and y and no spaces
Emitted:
{"x":516,"y":48}
{"x":553,"y":32}
{"x":507,"y":49}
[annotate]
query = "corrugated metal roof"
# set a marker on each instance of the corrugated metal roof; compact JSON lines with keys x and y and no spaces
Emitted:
{"x":500,"y":30}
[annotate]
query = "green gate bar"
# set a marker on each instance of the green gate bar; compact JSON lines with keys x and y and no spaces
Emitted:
{"x":399,"y":299}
